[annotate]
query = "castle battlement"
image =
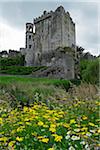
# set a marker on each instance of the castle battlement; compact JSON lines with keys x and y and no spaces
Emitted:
{"x":43,"y":17}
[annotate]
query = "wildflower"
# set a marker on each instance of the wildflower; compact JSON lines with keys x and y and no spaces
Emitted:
{"x":72,"y":121}
{"x":11,"y":143}
{"x":67,"y":137}
{"x":25,"y":109}
{"x":98,"y":103}
{"x":3,"y":139}
{"x":28,"y":123}
{"x":40,"y":123}
{"x":74,"y":138}
{"x":98,"y":131}
{"x":71,"y":148}
{"x":66,"y":125}
{"x":84,"y":118}
{"x":83,"y":133}
{"x":34,"y":134}
{"x":82,"y":142}
{"x":13,"y":131}
{"x":69,"y":132}
{"x":88,"y":134}
{"x":40,"y":137}
{"x":87,"y":147}
{"x":45,"y":126}
{"x":52,"y":128}
{"x":92,"y":131}
{"x":77,"y":130}
{"x":1,"y":121}
{"x":91,"y":124}
{"x":20,"y":139}
{"x":19,"y":129}
{"x":58,"y":138}
{"x":45,"y":140}
{"x":84,"y":129}
{"x":51,"y":149}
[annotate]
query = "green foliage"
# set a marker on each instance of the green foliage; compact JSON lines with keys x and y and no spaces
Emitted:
{"x":75,"y":81}
{"x":19,"y":70}
{"x":12,"y":61}
{"x":89,"y":70}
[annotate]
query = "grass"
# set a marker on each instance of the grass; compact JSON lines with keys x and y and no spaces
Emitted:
{"x":25,"y":89}
{"x":19,"y":70}
{"x":44,"y":81}
{"x":38,"y":114}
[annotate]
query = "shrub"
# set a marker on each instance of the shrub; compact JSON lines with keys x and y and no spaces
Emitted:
{"x":18,"y":60}
{"x":90,"y":71}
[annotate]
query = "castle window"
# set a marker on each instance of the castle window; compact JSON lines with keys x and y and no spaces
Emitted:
{"x":30,"y":46}
{"x":30,"y":29}
{"x":29,"y":36}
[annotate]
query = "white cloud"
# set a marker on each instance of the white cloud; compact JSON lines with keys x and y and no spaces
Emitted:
{"x":11,"y":37}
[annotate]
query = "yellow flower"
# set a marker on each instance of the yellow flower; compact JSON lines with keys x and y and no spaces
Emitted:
{"x":51,"y":149}
{"x":52,"y":126}
{"x":11,"y":143}
{"x":28,"y":123}
{"x":45,"y":140}
{"x":52,"y":129}
{"x":20,"y":129}
{"x":1,"y":121}
{"x":25,"y":109}
{"x":84,"y":118}
{"x":40,"y":123}
{"x":3,"y":139}
{"x":45,"y":126}
{"x":72,"y":121}
{"x":98,"y":103}
{"x":34,"y":134}
{"x":13,"y":131}
{"x":20,"y":139}
{"x":26,"y":119}
{"x":84,"y":129}
{"x":91,"y":124}
{"x":58,"y":138}
{"x":66,"y":125}
{"x":98,"y":130}
{"x":40,"y":137}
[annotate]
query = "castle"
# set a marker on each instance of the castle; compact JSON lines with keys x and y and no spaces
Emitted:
{"x":47,"y":39}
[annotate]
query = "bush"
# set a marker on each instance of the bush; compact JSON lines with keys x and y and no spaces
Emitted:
{"x":18,"y":60}
{"x":90,"y":71}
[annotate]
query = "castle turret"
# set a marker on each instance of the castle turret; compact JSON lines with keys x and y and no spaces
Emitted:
{"x":29,"y":35}
{"x":29,"y":44}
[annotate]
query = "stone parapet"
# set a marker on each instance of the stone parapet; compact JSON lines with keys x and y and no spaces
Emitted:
{"x":43,"y":17}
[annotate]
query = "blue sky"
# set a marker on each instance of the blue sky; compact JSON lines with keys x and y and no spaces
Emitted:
{"x":15,"y":14}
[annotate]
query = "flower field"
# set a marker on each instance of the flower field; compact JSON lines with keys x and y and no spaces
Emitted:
{"x":38,"y":127}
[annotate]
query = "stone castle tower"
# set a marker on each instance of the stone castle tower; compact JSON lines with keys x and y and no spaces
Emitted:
{"x":46,"y":34}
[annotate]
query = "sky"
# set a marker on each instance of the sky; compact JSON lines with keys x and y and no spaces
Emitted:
{"x":15,"y":13}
